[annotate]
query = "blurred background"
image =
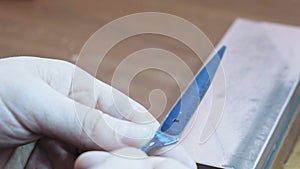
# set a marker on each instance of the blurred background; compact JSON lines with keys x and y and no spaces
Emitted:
{"x":59,"y":28}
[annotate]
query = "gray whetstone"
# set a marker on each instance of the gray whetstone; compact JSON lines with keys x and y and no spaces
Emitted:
{"x":261,"y":69}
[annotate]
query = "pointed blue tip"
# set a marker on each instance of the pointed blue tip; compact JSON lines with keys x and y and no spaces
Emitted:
{"x":221,"y":52}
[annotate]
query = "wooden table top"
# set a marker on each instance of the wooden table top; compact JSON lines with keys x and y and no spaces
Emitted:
{"x":59,"y":29}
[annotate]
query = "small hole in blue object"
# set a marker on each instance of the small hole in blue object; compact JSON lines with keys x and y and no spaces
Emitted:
{"x":176,"y":121}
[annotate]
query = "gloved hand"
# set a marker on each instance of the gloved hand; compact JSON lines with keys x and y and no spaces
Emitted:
{"x":125,"y":158}
{"x":39,"y":101}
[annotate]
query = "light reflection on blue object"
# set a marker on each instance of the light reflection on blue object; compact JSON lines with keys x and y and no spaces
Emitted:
{"x":160,"y":139}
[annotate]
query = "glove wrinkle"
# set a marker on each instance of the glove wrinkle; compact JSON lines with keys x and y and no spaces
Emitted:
{"x":20,"y":156}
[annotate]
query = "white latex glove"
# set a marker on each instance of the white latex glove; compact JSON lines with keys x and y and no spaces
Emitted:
{"x":38,"y":101}
{"x":125,"y":158}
